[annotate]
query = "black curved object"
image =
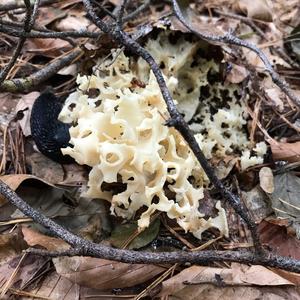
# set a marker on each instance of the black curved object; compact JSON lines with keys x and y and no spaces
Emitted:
{"x":50,"y":134}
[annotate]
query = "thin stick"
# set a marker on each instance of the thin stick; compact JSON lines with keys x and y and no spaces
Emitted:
{"x":25,"y":84}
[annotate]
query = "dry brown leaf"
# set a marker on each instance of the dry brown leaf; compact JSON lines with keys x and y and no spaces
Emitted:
{"x":286,"y":151}
{"x":266,"y":180}
{"x":45,"y":168}
{"x":92,"y":272}
{"x":194,"y":283}
{"x":11,"y":245}
{"x":290,"y":276}
{"x":15,"y":180}
{"x":56,"y":287}
{"x":75,"y":175}
{"x":256,"y":9}
{"x":25,"y":105}
{"x":46,"y":47}
{"x":277,"y":239}
{"x":48,"y":15}
{"x":237,"y":74}
{"x":34,"y":238}
{"x":30,"y":266}
{"x":71,"y":22}
{"x":104,"y":274}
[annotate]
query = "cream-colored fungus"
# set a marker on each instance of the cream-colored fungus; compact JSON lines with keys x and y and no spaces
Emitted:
{"x":121,"y":134}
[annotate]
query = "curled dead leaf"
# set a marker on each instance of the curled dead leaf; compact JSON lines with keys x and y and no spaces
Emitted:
{"x":104,"y":274}
{"x":15,"y":180}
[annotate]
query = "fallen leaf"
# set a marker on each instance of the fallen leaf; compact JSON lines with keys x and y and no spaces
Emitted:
{"x":104,"y":274}
{"x":46,"y":47}
{"x":286,"y":151}
{"x":285,"y":198}
{"x":290,"y":276}
{"x":266,"y":180}
{"x":48,"y":15}
{"x":92,"y":272}
{"x":277,"y":239}
{"x":14,"y":181}
{"x":75,"y":175}
{"x":199,"y":282}
{"x":28,"y":271}
{"x":8,"y":103}
{"x":237,"y":74}
{"x":11,"y":245}
{"x":56,"y":287}
{"x":256,"y":9}
{"x":35,"y":238}
{"x":45,"y":168}
{"x":80,"y":215}
{"x":78,"y":22}
{"x":86,"y":216}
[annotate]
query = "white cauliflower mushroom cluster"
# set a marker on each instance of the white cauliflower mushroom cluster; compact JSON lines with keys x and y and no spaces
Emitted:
{"x":121,"y":135}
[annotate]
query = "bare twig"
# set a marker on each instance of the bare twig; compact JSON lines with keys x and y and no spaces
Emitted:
{"x":140,"y":9}
{"x":101,"y":6}
{"x":34,"y":14}
{"x":26,"y":84}
{"x":48,"y":34}
{"x":233,"y":40}
{"x":120,"y":14}
{"x":87,"y":248}
{"x":176,"y":120}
